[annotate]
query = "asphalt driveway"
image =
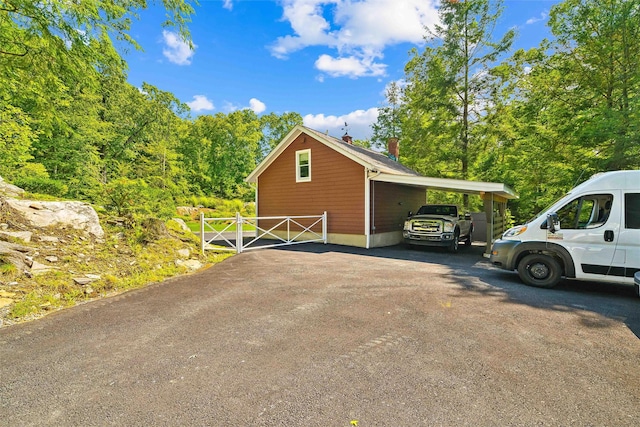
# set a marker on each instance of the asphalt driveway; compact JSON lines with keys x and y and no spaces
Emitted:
{"x":324,"y":335}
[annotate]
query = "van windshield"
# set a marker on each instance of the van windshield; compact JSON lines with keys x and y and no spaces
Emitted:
{"x":544,"y":211}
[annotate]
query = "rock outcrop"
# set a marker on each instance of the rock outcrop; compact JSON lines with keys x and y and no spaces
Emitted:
{"x":10,"y":190}
{"x":20,"y":218}
{"x":61,"y":215}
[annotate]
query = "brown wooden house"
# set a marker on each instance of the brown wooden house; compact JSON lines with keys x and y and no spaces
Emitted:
{"x":366,"y":194}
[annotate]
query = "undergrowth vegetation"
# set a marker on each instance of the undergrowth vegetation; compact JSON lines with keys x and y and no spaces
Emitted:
{"x":128,"y":257}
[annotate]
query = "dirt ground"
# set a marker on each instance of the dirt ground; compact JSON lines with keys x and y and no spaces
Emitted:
{"x":332,"y":336}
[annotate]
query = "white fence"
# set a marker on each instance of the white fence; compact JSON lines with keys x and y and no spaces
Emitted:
{"x":241,"y":234}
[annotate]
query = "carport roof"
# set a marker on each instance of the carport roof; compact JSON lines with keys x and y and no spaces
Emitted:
{"x":444,"y":184}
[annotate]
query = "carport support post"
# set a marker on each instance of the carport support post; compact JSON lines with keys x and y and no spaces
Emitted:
{"x":488,"y":211}
{"x":238,"y":233}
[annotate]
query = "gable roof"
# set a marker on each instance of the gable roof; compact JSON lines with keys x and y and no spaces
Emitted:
{"x":369,"y":159}
{"x":384,"y":169}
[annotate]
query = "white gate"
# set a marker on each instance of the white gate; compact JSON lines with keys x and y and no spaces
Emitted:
{"x":229,"y":234}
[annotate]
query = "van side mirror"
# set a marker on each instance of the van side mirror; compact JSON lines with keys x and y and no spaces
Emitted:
{"x":553,"y":222}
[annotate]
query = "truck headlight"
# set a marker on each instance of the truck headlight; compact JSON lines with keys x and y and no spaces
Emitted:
{"x":407,"y":225}
{"x":448,"y":227}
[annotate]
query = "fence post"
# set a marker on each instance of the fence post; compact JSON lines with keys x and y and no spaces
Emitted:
{"x":238,"y":233}
{"x":202,"y":231}
{"x":324,"y":227}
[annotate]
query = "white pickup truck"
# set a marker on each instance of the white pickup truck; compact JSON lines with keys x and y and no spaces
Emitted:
{"x":438,"y":225}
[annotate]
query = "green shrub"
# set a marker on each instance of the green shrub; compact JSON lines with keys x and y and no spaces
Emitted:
{"x":127,"y":197}
{"x":42,"y":185}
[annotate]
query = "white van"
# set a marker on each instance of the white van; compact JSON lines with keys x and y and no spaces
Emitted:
{"x":592,"y":233}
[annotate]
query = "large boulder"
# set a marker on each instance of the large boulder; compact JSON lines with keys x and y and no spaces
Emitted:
{"x":10,"y":190}
{"x":39,"y":214}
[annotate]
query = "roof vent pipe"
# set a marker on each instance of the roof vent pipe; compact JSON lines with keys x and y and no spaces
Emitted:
{"x":346,"y":138}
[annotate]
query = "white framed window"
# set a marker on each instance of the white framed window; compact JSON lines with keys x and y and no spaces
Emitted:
{"x":303,"y":166}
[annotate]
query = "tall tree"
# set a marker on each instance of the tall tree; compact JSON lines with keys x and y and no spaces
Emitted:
{"x":448,"y":88}
{"x":16,"y":137}
{"x":597,"y":50}
{"x":274,"y":128}
{"x":54,"y":58}
{"x":389,"y":121}
{"x":568,"y":108}
{"x":42,"y":40}
{"x":222,"y":149}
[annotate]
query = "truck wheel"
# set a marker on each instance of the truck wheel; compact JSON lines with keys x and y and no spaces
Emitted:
{"x":455,"y":244}
{"x":469,"y":239}
{"x":539,"y":270}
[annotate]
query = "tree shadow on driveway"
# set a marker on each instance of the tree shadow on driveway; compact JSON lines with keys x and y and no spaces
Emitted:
{"x":598,"y":305}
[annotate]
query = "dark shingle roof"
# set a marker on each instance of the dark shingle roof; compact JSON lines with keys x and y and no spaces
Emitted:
{"x":377,"y":160}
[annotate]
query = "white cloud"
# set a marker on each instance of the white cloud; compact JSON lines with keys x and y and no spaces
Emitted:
{"x":176,"y":50}
{"x":358,"y":123}
{"x":533,"y":20}
{"x":200,"y":103}
{"x":227,"y":4}
{"x":349,"y":66}
{"x":359,"y":31}
{"x":380,"y":23}
{"x":230,"y":107}
{"x":307,"y":22}
{"x":257,"y":106}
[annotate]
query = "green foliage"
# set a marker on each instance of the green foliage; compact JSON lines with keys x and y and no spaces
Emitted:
{"x":220,"y":151}
{"x":16,"y":137}
{"x":31,"y":170}
{"x":567,"y":109}
{"x":42,"y":185}
{"x":447,"y":82}
{"x":541,"y":120}
{"x":389,"y":122}
{"x":135,"y":198}
{"x":274,"y":128}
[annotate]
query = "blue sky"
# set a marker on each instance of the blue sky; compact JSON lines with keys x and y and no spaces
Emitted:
{"x":329,"y":60}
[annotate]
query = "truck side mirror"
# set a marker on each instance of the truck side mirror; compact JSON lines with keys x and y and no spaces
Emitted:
{"x":409,"y":214}
{"x":552,"y":221}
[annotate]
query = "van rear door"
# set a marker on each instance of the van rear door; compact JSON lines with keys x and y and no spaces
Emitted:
{"x":628,"y":249}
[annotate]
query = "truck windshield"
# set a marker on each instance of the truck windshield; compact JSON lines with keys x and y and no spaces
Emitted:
{"x":438,"y":210}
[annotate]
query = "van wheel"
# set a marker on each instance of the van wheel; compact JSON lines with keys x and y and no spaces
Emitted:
{"x":539,"y":270}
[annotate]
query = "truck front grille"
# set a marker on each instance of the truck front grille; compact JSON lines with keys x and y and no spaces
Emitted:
{"x":427,"y":226}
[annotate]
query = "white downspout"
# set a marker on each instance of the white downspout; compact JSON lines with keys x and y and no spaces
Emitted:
{"x":367,"y":204}
{"x":367,"y":208}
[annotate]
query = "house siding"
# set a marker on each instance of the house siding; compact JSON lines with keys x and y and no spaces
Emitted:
{"x":390,"y":204}
{"x":336,"y":186}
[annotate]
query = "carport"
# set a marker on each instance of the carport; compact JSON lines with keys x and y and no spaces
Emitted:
{"x":494,"y":195}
